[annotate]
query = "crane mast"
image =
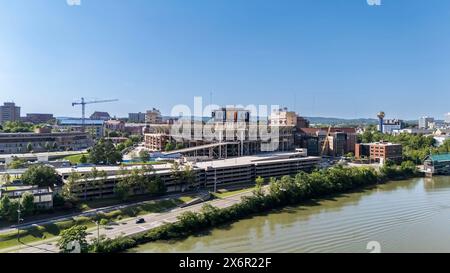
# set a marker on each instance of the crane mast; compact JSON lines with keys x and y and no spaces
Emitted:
{"x":83,"y":104}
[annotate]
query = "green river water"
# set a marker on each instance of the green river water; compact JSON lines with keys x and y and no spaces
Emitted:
{"x":404,"y":216}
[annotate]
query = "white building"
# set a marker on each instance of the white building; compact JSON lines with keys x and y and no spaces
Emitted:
{"x":425,"y":122}
{"x":441,"y":139}
{"x":283,"y":117}
{"x":447,"y":118}
{"x":392,"y":125}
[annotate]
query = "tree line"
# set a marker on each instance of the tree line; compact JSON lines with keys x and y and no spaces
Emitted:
{"x":288,"y":190}
{"x":416,"y":147}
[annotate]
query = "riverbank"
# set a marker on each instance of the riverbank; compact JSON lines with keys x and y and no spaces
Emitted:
{"x":282,"y":192}
{"x":409,"y":216}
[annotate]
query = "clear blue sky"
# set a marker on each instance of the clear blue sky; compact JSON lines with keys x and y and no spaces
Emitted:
{"x":339,"y":58}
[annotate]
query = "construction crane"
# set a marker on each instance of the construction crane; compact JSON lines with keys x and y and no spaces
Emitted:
{"x":325,"y":143}
{"x":83,"y":103}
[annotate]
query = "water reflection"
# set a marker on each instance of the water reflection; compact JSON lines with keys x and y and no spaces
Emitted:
{"x":405,"y":216}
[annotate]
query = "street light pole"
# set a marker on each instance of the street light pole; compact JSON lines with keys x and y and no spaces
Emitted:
{"x":19,"y":220}
{"x":97,"y":222}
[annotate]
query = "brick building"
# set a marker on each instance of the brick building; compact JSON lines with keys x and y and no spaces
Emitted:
{"x":379,"y":151}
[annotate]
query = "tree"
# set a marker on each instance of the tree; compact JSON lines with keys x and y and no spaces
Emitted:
{"x":112,"y":155}
{"x":156,"y":186}
{"x":176,"y":174}
{"x":169,"y":146}
{"x":48,"y":146}
{"x":122,"y":188}
{"x":27,"y":203}
{"x":179,"y":146}
{"x":259,"y":187}
{"x":41,"y":175}
{"x":6,"y":177}
{"x":144,"y":155}
{"x":17,"y":127}
{"x":83,"y":159}
{"x":55,"y":146}
{"x":12,"y":212}
{"x":93,"y":175}
{"x":188,"y":176}
{"x":16,"y":163}
{"x":102,"y":181}
{"x":104,"y":153}
{"x":71,"y":186}
{"x":5,"y":204}
{"x":71,"y":237}
{"x":29,"y":147}
{"x":146,"y":177}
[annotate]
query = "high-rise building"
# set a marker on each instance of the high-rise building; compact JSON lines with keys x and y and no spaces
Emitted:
{"x":9,"y":112}
{"x":153,"y":116}
{"x":425,"y":122}
{"x":136,"y":117}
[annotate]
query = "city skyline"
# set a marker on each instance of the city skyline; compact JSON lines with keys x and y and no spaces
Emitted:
{"x":327,"y":59}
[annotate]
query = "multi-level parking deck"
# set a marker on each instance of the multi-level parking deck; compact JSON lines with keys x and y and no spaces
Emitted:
{"x":209,"y":174}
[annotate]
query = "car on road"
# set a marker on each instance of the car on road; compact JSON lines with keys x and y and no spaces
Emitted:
{"x":140,"y":221}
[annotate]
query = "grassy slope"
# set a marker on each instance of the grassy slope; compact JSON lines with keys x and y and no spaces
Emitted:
{"x":35,"y":234}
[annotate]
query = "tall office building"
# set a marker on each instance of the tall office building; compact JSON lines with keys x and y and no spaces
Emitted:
{"x":425,"y":122}
{"x":153,"y":116}
{"x":136,"y":117}
{"x":9,"y":112}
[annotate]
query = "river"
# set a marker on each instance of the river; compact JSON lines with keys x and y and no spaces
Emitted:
{"x":404,"y":216}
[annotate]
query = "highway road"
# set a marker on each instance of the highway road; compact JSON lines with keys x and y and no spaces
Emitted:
{"x":90,"y":213}
{"x":129,"y":227}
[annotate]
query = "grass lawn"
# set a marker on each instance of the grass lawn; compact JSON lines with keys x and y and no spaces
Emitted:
{"x":74,"y":159}
{"x":37,"y":233}
{"x":226,"y":193}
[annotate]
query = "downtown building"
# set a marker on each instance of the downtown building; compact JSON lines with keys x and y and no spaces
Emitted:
{"x":379,"y":152}
{"x":233,"y":134}
{"x":18,"y":143}
{"x":9,"y":112}
{"x":37,"y":118}
{"x":339,"y":141}
{"x":207,"y":174}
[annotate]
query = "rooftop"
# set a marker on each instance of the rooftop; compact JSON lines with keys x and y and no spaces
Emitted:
{"x":440,"y":157}
{"x":256,"y":159}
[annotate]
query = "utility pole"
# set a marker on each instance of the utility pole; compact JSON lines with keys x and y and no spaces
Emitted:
{"x":19,"y":220}
{"x":97,"y":222}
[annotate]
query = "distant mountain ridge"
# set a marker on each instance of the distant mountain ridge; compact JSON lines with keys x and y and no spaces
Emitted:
{"x":337,"y":121}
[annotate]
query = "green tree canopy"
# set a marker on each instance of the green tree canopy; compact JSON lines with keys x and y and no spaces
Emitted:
{"x":72,"y":238}
{"x":104,"y":153}
{"x":41,"y":175}
{"x":27,"y":203}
